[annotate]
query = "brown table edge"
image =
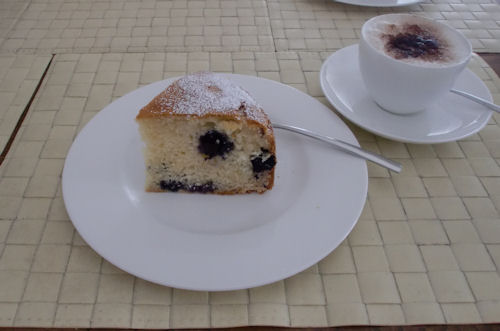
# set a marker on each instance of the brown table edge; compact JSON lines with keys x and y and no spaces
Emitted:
{"x":493,"y":60}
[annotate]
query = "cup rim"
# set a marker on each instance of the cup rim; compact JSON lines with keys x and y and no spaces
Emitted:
{"x":443,"y":25}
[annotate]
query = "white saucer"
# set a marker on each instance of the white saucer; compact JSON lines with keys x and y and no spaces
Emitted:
{"x":451,"y":118}
{"x":380,"y":3}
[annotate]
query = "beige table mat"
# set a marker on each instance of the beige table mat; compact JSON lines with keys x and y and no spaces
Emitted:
{"x":19,"y":77}
{"x":329,"y":25}
{"x":82,"y":26}
{"x":425,"y":250}
{"x":427,"y":246}
{"x":10,"y":12}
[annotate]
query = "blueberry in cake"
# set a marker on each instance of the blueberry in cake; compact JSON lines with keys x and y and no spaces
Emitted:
{"x":205,"y":134}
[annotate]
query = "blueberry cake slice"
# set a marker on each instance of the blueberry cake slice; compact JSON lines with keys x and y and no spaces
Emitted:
{"x":205,"y":134}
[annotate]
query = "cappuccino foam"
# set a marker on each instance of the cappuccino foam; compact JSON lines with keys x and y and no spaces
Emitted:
{"x":416,"y":40}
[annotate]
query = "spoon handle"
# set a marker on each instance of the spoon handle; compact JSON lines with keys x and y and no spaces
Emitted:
{"x":352,"y":149}
{"x":479,"y":100}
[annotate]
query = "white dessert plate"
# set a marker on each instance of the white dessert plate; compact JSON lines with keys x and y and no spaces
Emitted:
{"x":452,"y":118}
{"x":211,"y":242}
{"x":380,"y":3}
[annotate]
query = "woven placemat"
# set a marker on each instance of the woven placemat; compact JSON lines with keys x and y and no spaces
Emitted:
{"x":426,"y":249}
{"x":69,"y":26}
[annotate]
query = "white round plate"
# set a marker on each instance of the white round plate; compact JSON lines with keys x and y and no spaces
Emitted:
{"x":452,"y":118}
{"x":212,"y":242}
{"x":380,"y":3}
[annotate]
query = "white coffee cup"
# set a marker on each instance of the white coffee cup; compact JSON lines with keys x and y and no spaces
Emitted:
{"x":409,"y":85}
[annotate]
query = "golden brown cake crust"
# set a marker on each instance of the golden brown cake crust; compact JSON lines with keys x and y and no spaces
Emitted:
{"x":206,"y":94}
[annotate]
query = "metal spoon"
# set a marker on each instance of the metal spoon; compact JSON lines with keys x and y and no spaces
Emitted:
{"x":345,"y":146}
{"x":479,"y":100}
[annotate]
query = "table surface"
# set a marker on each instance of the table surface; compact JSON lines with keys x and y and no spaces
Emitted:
{"x":426,"y":249}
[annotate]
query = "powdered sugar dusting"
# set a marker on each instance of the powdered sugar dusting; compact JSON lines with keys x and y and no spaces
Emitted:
{"x":204,"y":93}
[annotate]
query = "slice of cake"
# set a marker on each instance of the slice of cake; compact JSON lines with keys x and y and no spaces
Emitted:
{"x":205,"y":134}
